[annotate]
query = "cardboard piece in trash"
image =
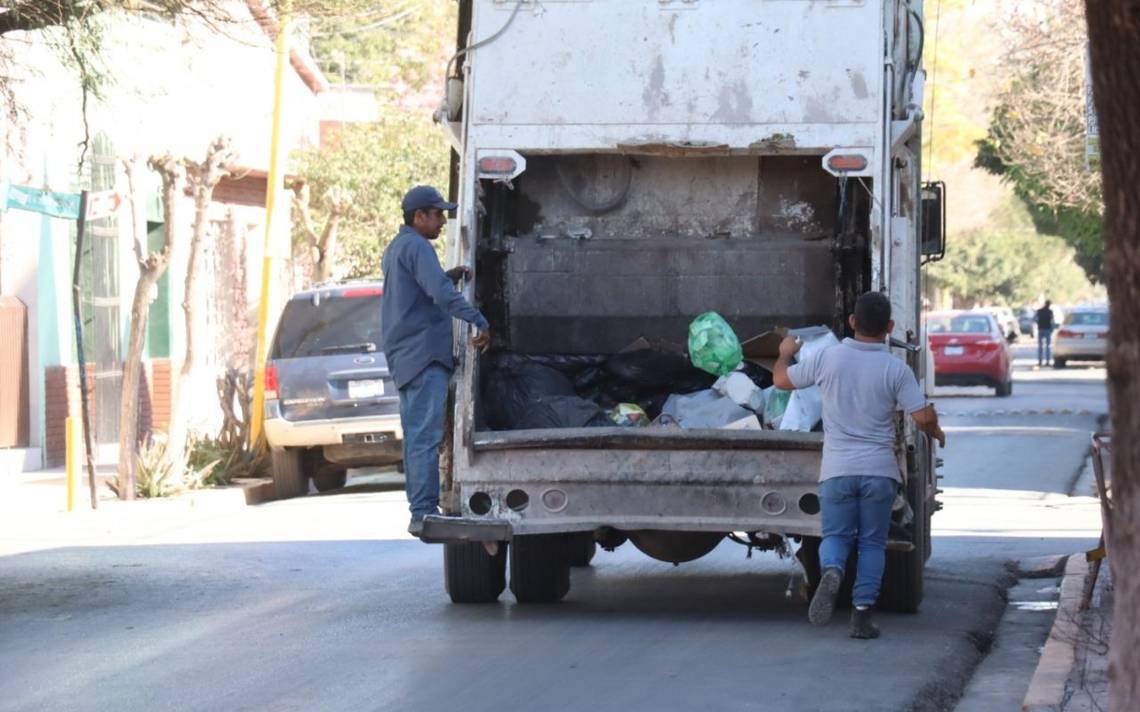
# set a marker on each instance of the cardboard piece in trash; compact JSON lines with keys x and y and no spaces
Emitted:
{"x":749,"y":423}
{"x":764,"y":349}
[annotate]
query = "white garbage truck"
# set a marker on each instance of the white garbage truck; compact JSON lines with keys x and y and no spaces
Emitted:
{"x":622,"y":166}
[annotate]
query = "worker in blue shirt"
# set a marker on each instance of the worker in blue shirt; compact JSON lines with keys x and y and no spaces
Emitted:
{"x":419,"y":302}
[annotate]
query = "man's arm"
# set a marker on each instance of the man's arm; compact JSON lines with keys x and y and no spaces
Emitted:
{"x":927,"y":421}
{"x":789,"y":347}
{"x":431,"y":277}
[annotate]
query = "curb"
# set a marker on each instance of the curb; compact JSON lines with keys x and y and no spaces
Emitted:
{"x":241,"y":493}
{"x":1047,"y":688}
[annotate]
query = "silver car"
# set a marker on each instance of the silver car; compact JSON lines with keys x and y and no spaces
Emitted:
{"x":1082,"y":336}
{"x":330,"y":402}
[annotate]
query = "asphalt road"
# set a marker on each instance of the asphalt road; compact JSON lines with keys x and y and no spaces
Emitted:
{"x":324,"y":603}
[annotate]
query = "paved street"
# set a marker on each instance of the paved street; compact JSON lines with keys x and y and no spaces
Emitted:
{"x":324,"y":602}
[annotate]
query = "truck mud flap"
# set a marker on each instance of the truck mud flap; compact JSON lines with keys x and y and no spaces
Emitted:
{"x":441,"y":530}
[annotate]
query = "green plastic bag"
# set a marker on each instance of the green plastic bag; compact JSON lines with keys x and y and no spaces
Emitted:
{"x":713,"y":346}
{"x":775,"y":406}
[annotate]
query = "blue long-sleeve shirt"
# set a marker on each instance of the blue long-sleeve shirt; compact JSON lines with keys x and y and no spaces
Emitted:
{"x":417,"y":308}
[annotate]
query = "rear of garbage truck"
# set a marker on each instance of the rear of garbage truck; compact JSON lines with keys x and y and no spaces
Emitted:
{"x":622,"y":167}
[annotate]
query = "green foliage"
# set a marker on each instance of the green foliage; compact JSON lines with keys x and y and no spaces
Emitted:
{"x":394,"y":46}
{"x":378,"y":163}
{"x":223,"y":462}
{"x":155,"y":476}
{"x":1012,"y":264}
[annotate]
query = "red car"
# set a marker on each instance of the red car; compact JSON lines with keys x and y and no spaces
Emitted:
{"x":969,"y":350}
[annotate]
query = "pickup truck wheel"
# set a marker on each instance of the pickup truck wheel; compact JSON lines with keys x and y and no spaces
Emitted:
{"x":471,"y":575}
{"x":328,"y":481}
{"x":1004,"y":390}
{"x":289,"y":479}
{"x":903,"y":576}
{"x":582,"y":548}
{"x":540,"y":568}
{"x":1059,"y":363}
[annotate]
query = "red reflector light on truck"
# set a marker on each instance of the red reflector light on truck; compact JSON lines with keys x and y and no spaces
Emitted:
{"x":498,"y":165}
{"x":270,"y":382}
{"x":362,"y":292}
{"x":848,"y":162}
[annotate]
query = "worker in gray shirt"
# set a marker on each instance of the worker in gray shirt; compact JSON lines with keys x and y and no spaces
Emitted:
{"x":420,"y":300}
{"x":863,"y":386}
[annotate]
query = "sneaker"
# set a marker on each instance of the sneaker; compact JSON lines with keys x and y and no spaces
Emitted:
{"x":823,"y":602}
{"x":861,"y":625}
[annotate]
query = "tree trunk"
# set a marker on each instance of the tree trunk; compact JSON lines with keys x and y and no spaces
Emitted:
{"x":1114,"y":47}
{"x":203,"y":177}
{"x":150,"y":270}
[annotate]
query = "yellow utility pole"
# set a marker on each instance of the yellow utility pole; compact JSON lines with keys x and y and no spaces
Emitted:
{"x":271,"y":187}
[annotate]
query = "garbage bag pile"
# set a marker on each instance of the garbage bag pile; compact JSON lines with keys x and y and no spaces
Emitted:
{"x":711,"y":386}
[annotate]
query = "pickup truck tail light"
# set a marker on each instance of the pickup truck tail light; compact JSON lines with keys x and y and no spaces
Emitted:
{"x":270,"y":382}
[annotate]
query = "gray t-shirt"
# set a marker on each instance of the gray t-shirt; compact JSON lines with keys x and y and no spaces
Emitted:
{"x":863,"y":386}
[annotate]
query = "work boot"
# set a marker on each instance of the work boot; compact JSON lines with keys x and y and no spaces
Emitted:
{"x":416,"y":526}
{"x":823,"y":602}
{"x":861,"y":625}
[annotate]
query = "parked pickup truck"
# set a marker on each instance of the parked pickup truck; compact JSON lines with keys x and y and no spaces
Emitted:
{"x":654,"y":161}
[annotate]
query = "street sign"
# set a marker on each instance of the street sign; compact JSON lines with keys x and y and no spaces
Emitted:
{"x":38,"y":200}
{"x":101,"y":204}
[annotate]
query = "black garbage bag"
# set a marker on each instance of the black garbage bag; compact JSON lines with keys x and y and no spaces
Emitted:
{"x":759,"y":375}
{"x":670,"y":371}
{"x":560,"y":412}
{"x":569,"y":364}
{"x":512,"y":385}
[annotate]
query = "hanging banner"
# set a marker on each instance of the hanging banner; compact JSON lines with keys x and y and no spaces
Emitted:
{"x":38,"y":200}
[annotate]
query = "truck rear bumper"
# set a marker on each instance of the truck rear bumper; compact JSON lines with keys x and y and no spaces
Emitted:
{"x":545,"y":482}
{"x":280,"y":432}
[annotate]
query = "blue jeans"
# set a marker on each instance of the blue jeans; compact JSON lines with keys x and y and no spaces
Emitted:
{"x":423,"y":402}
{"x":857,"y":507}
{"x":1044,"y":346}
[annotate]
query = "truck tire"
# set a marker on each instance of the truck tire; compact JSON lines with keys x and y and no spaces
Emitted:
{"x":540,"y":568}
{"x":582,"y":548}
{"x":1059,"y":363}
{"x":471,"y":575}
{"x":329,"y":481}
{"x":289,"y":478}
{"x":903,"y":575}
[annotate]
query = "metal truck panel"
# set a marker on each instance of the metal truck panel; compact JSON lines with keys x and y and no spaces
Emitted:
{"x":667,"y":67}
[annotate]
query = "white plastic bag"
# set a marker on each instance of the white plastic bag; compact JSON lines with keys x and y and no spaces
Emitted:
{"x":805,"y":407}
{"x":738,"y":387}
{"x":703,"y":409}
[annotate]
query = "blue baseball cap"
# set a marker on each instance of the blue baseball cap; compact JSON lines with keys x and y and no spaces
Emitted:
{"x":424,"y":196}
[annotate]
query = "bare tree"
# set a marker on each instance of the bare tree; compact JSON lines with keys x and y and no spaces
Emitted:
{"x":1039,"y":126}
{"x":202,"y":178}
{"x":152,"y":265}
{"x":1114,"y":47}
{"x":322,"y":246}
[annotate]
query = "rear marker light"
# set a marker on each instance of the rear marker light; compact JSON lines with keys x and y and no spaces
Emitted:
{"x":270,"y":382}
{"x":1066,"y":334}
{"x":497,"y":165}
{"x":362,"y":292}
{"x":852,"y":162}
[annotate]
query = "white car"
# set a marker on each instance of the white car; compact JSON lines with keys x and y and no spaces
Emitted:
{"x":1082,"y":336}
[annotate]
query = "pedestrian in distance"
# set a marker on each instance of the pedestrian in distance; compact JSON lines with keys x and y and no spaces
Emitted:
{"x":863,"y":387}
{"x":1046,"y":322}
{"x":420,"y":301}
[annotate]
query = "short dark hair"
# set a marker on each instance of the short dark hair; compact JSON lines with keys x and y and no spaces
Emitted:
{"x":409,"y":217}
{"x":872,"y":314}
